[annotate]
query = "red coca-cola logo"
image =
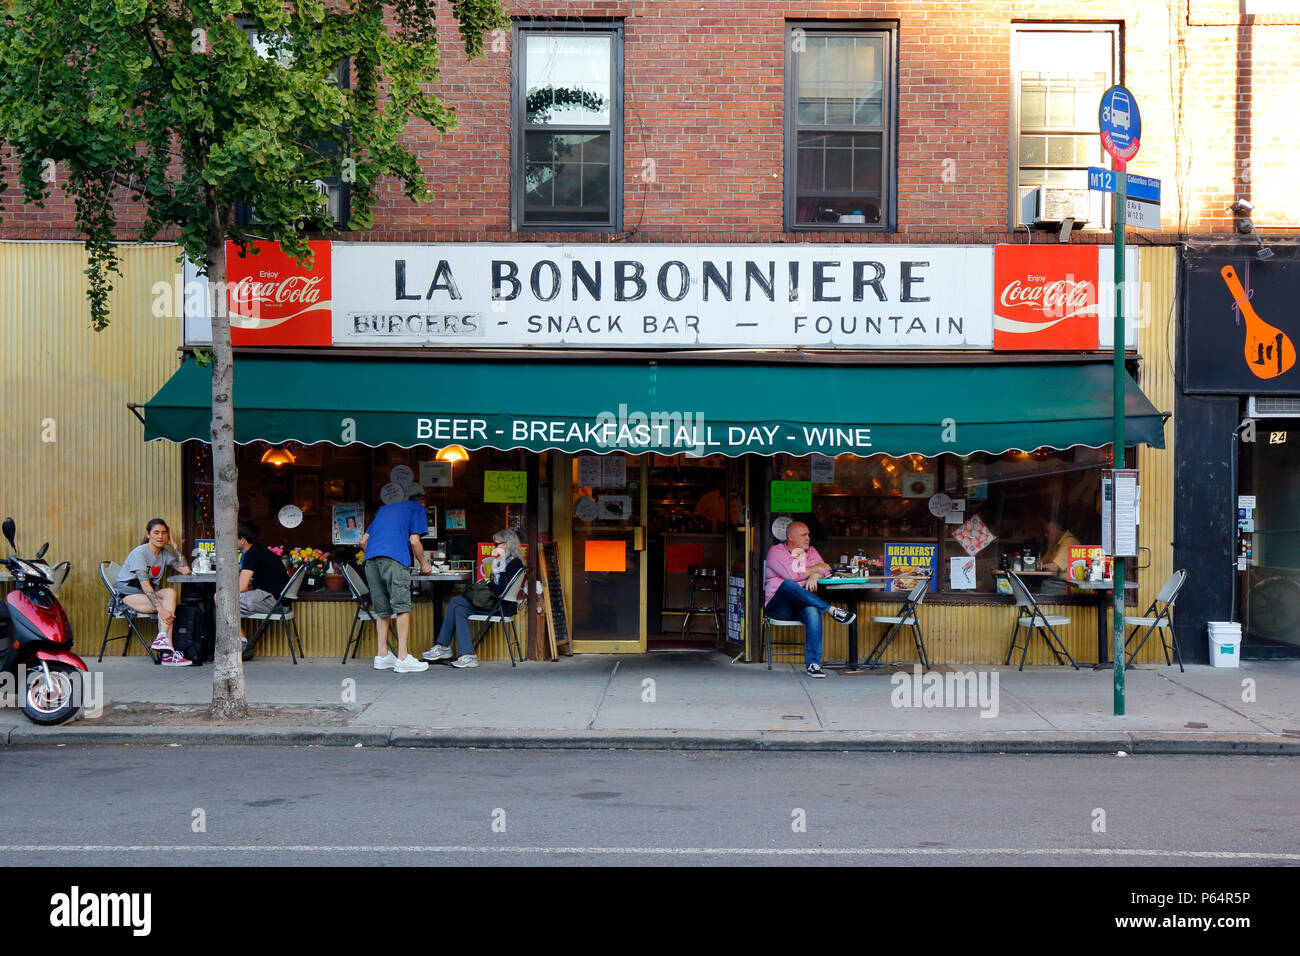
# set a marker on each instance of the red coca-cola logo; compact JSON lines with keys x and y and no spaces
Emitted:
{"x":274,"y":301}
{"x":1046,"y":298}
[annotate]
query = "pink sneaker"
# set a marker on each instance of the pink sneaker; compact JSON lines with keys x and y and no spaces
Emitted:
{"x":176,"y":660}
{"x":162,"y":643}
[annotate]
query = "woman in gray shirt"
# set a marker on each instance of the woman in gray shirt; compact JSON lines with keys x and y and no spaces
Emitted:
{"x":142,"y":573}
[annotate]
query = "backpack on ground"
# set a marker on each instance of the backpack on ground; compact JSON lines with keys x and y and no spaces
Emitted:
{"x":190,"y":634}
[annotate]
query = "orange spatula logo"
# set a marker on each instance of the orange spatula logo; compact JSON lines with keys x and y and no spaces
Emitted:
{"x":1269,"y":351}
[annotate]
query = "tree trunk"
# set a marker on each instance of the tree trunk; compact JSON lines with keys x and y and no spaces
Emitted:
{"x":228,"y":697}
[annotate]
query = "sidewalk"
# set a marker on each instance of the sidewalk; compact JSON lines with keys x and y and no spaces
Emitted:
{"x":697,"y":701}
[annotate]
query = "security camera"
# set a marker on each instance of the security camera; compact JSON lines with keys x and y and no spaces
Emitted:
{"x":1242,"y":207}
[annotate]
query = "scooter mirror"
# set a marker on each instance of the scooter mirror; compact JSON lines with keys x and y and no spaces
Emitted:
{"x":41,"y":553}
{"x":8,"y":528}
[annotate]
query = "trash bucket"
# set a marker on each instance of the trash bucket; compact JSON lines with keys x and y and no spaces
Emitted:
{"x":1225,"y":643}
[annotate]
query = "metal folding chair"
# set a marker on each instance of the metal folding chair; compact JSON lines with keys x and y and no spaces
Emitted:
{"x":283,"y":613}
{"x":906,"y":616}
{"x":1033,"y":620}
{"x":119,"y":610}
{"x":365,"y":612}
{"x":1158,"y":616}
{"x":498,"y":615}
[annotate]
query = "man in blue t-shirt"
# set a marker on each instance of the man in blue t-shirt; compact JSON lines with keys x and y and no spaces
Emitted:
{"x":389,"y":542}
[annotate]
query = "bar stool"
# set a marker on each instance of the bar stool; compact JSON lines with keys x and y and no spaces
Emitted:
{"x":705,"y":587}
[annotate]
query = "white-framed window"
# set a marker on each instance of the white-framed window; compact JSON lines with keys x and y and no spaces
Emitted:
{"x":1059,"y":73}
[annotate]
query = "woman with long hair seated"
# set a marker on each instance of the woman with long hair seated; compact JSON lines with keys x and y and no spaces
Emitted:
{"x":142,"y":573}
{"x":507,"y":562}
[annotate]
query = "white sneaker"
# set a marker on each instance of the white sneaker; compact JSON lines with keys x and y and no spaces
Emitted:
{"x":409,"y":665}
{"x":465,"y":660}
{"x":162,"y":642}
{"x":437,"y":653}
{"x":176,"y":660}
{"x":387,"y":662}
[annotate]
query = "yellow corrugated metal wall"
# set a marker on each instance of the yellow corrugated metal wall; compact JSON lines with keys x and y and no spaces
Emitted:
{"x":75,"y":470}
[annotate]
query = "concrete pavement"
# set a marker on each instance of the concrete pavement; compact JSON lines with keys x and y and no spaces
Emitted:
{"x":701,"y":701}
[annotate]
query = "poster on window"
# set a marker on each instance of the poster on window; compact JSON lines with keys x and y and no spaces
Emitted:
{"x":349,"y":522}
{"x":907,"y":564}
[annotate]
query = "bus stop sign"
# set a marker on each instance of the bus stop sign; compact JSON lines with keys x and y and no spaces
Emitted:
{"x":1120,"y":123}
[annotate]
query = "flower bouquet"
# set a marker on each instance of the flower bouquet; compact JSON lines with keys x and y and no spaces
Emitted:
{"x":316,"y":562}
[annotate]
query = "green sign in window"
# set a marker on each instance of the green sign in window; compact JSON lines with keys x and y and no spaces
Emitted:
{"x":505,"y":486}
{"x":795,"y":496}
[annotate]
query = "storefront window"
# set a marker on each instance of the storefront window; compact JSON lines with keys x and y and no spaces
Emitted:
{"x":1028,"y":508}
{"x":337,"y":491}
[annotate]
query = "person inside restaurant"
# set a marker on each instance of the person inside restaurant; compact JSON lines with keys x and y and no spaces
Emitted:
{"x":139,"y":581}
{"x":261,"y":575}
{"x":507,"y":561}
{"x":789,"y":590}
{"x":1057,"y":553}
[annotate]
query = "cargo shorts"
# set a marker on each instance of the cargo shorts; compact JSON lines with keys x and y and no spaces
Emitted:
{"x":390,"y":586}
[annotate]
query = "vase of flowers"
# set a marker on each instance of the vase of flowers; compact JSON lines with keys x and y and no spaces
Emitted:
{"x":316,"y":562}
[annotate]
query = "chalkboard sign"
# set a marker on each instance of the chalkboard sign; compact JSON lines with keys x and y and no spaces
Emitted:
{"x":557,"y":617}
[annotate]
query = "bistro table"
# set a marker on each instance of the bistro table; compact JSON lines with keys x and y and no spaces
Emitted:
{"x":1105,"y":598}
{"x":847,"y":591}
{"x":207,"y":582}
{"x":440,"y":580}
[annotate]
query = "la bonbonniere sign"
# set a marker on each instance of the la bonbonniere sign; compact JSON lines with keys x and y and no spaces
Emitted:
{"x":643,"y":296}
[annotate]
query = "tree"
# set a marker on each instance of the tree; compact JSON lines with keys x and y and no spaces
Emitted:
{"x":189,"y":107}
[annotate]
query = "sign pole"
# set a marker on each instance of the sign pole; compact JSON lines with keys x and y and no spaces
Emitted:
{"x":1117,"y":652}
{"x":1120,"y":125}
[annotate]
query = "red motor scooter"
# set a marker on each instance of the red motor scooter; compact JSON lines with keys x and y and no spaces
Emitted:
{"x":36,"y":640}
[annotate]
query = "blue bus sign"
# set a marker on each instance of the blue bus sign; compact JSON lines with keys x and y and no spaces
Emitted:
{"x":1120,"y":123}
{"x":1102,"y":180}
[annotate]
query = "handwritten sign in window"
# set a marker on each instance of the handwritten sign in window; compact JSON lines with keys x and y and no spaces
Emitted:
{"x":793,"y":496}
{"x":505,"y":486}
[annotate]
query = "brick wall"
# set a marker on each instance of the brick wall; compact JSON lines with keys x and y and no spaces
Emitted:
{"x":704,"y":102}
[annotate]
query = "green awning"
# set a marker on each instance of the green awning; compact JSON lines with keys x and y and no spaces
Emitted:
{"x":730,"y":409}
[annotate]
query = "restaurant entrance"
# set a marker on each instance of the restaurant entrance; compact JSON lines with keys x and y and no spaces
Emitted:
{"x":657,"y":546}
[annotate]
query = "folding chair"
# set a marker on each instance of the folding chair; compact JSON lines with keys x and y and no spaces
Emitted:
{"x":365,"y":612}
{"x":282,"y":613}
{"x":1034,"y":619}
{"x":497,"y":615}
{"x":783,"y":646}
{"x":1163,"y":609}
{"x":906,"y":615}
{"x":118,"y":609}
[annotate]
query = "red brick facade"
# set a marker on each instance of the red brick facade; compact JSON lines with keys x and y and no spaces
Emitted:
{"x":704,"y":108}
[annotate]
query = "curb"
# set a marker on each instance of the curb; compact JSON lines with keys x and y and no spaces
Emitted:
{"x":1138,"y":744}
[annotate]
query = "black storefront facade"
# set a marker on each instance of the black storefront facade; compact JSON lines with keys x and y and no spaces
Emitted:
{"x":1237,"y":458}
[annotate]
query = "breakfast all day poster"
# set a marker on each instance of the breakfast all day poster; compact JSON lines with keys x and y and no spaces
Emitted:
{"x":906,"y":563}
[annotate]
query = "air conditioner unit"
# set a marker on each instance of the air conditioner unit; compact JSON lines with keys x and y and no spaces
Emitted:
{"x":1273,"y":406}
{"x":1055,"y":203}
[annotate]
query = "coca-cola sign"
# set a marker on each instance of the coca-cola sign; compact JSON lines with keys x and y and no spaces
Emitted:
{"x":274,"y":301}
{"x":1045,"y":297}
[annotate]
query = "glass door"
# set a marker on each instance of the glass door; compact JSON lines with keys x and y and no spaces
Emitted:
{"x":608,"y":513}
{"x":1271,"y":592}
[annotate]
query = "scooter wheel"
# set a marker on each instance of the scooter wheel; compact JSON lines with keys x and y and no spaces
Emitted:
{"x":54,"y":701}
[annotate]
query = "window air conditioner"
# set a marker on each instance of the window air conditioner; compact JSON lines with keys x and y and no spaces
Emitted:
{"x":1055,"y":203}
{"x":1273,"y":406}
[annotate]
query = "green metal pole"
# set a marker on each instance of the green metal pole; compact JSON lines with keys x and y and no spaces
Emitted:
{"x":1117,"y":653}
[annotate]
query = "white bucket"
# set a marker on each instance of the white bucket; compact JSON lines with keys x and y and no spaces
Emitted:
{"x":1225,"y":643}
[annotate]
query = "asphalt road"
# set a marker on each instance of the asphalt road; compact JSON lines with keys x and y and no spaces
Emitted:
{"x":313,"y":806}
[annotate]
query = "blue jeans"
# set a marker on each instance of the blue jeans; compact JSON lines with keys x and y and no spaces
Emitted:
{"x":794,"y":602}
{"x":457,"y":619}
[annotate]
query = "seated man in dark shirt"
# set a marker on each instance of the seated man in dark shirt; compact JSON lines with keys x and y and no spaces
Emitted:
{"x":261,"y":574}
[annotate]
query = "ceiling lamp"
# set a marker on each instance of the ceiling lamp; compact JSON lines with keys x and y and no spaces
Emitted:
{"x":452,"y":453}
{"x":277,"y":457}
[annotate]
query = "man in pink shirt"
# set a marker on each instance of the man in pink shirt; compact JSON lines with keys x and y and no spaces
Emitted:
{"x":789,"y":591}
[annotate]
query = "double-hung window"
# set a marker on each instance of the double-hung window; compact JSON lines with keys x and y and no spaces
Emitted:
{"x":1060,"y":73}
{"x":567,"y":114}
{"x":839,"y":154}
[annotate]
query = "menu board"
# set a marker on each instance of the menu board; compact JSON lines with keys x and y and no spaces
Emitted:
{"x":906,"y":563}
